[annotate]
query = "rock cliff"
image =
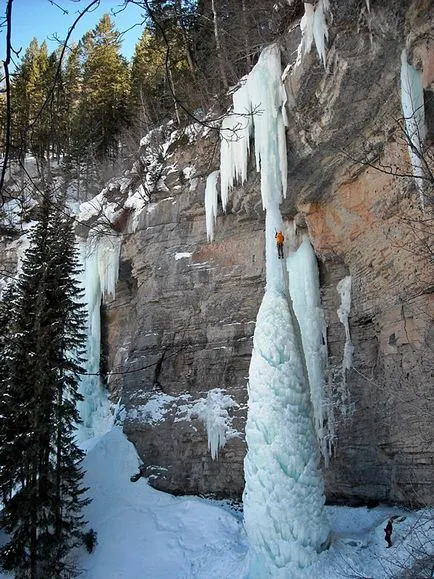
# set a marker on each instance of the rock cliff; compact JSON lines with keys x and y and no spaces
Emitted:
{"x":181,"y":325}
{"x":177,"y":337}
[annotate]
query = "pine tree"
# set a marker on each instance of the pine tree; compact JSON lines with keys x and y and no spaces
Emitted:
{"x":104,"y":110}
{"x":163,"y":70}
{"x":40,"y":478}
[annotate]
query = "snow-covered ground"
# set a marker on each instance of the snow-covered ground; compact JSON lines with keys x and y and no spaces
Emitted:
{"x":144,"y":533}
{"x":147,"y":534}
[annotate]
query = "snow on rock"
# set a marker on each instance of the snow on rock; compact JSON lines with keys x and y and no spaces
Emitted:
{"x":283,"y":497}
{"x":183,"y":255}
{"x":412,"y":100}
{"x":136,"y":203}
{"x":157,"y":407}
{"x":213,"y":412}
{"x":305,"y":293}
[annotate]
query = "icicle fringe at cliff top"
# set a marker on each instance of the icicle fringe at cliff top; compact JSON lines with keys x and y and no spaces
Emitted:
{"x":258,"y":111}
{"x":313,"y":27}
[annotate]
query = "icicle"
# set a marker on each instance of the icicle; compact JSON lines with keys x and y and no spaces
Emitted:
{"x":211,"y":203}
{"x":320,"y":31}
{"x":313,"y":27}
{"x":344,"y":290}
{"x":412,"y":100}
{"x":306,"y":27}
{"x":213,"y":412}
{"x":235,"y":143}
{"x":258,"y":104}
{"x":305,"y":294}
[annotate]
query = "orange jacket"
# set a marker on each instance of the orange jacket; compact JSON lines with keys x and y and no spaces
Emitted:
{"x":279,"y":237}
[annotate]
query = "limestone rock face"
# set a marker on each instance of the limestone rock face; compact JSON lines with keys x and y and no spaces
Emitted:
{"x":182,"y":325}
{"x":182,"y":322}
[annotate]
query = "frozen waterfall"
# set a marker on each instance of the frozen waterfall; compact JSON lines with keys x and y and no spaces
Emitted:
{"x":305,"y":295}
{"x":283,"y":498}
{"x":99,"y":256}
{"x":412,"y":101}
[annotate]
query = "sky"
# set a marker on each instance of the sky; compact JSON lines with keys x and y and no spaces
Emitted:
{"x":45,"y":20}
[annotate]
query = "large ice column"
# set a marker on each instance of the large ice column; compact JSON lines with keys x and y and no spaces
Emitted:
{"x":412,"y":100}
{"x":283,"y":497}
{"x":100,"y":260}
{"x":305,"y":294}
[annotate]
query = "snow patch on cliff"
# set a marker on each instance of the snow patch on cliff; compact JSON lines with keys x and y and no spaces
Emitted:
{"x":156,"y":409}
{"x":183,"y":255}
{"x":213,"y":412}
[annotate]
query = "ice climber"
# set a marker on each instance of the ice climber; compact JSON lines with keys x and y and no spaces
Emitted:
{"x":388,"y":530}
{"x":279,"y":240}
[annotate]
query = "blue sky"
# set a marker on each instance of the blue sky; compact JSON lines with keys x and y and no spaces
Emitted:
{"x":42,"y":19}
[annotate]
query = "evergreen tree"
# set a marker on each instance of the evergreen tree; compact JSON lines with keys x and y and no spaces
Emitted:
{"x":40,"y":475}
{"x":72,"y":87}
{"x":163,"y":70}
{"x":104,"y":109}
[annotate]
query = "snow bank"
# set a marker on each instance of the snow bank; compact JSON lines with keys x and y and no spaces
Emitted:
{"x":145,"y":533}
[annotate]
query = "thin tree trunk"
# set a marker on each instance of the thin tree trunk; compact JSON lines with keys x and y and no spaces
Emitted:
{"x":185,"y":39}
{"x":175,"y":101}
{"x":246,"y":36}
{"x":219,"y":52}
